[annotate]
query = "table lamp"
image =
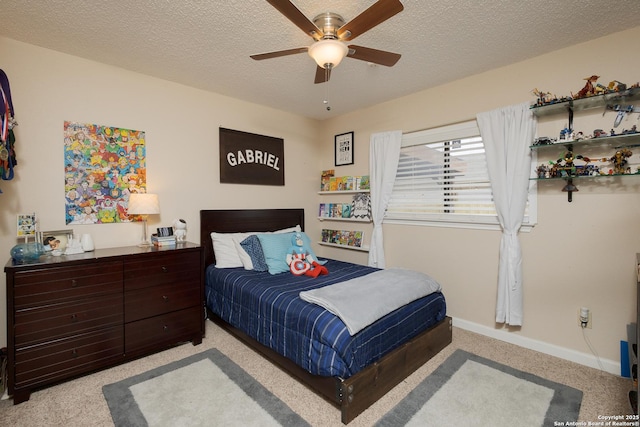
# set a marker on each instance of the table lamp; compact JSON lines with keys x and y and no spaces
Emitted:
{"x":144,"y":205}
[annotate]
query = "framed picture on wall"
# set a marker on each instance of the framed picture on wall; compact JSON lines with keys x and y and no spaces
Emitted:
{"x":344,"y":149}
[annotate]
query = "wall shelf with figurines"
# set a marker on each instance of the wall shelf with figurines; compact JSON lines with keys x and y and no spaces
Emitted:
{"x":598,"y":154}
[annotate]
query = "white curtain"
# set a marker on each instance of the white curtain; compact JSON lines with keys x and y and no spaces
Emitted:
{"x":507,"y":134}
{"x":384,"y":152}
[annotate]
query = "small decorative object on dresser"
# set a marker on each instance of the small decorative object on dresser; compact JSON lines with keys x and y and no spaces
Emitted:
{"x":55,"y":240}
{"x":26,"y":225}
{"x":180,"y":229}
{"x":87,"y":242}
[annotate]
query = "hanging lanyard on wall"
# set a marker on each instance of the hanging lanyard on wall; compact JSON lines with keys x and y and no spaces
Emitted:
{"x":7,"y":139}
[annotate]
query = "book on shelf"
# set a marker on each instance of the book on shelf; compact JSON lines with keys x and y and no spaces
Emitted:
{"x":325,"y":179}
{"x":333,"y":184}
{"x":353,"y":238}
{"x":347,"y":183}
{"x":361,"y":206}
{"x":346,"y":210}
{"x":363,"y":183}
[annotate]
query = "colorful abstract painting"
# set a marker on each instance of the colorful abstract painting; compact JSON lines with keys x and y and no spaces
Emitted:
{"x":103,"y":166}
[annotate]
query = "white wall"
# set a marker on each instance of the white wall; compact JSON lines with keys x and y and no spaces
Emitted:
{"x":181,"y":126}
{"x":580,"y":253}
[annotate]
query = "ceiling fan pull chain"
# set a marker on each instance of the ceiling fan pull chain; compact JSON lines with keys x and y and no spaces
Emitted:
{"x":326,"y":97}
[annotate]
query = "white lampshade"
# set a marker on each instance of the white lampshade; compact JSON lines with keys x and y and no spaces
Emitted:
{"x":328,"y":51}
{"x":143,"y":204}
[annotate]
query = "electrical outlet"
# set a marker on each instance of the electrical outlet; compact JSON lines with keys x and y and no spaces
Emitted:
{"x":582,"y":318}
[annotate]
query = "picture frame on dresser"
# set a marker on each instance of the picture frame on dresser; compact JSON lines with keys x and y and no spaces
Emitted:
{"x":55,"y":239}
{"x":344,"y":149}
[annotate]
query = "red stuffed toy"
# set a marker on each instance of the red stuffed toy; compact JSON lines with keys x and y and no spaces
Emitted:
{"x":301,"y":261}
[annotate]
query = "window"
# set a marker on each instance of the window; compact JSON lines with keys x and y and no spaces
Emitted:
{"x":442,"y":180}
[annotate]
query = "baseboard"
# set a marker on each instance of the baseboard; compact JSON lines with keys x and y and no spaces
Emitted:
{"x":585,"y":359}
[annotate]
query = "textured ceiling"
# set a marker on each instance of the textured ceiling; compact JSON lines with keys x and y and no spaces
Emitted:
{"x":206,"y":44}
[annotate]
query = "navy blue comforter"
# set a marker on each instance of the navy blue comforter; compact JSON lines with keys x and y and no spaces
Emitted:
{"x":267,"y":308}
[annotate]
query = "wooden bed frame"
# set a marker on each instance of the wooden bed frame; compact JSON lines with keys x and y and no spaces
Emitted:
{"x":356,"y":393}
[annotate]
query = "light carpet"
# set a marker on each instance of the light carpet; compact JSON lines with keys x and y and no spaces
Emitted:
{"x":206,"y":389}
{"x":469,"y":390}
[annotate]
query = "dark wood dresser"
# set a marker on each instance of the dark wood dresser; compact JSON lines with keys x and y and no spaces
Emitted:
{"x":75,"y":314}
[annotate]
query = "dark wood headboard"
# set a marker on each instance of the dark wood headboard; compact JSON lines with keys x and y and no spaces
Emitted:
{"x":244,"y":220}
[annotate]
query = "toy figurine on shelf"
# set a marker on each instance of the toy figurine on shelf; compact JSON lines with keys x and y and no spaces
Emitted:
{"x":619,"y":161}
{"x":542,"y":171}
{"x":564,"y":167}
{"x":589,"y":87}
{"x":616,"y":86}
{"x":544,"y":140}
{"x":598,"y":133}
{"x":543,"y":97}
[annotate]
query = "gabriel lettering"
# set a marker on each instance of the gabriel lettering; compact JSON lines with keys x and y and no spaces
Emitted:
{"x":253,"y":156}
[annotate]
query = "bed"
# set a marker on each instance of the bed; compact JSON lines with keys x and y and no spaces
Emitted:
{"x":352,"y":372}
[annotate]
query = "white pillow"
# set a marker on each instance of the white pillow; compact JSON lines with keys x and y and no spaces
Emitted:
{"x":225,"y":250}
{"x":245,"y":259}
{"x":229,"y":253}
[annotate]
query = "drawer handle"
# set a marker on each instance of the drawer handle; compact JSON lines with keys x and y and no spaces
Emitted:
{"x":74,"y":283}
{"x":74,"y":318}
{"x":74,"y":353}
{"x":165,"y":298}
{"x":165,"y":328}
{"x":164,"y":269}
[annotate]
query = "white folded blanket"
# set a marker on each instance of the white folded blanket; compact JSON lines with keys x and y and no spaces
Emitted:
{"x":361,"y":301}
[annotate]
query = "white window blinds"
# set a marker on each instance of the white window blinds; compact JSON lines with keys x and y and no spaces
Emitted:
{"x":442,"y":176}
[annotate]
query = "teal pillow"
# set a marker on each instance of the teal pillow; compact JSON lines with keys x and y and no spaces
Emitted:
{"x":275,"y":248}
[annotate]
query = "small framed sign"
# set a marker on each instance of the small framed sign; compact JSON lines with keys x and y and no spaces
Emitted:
{"x":344,"y":149}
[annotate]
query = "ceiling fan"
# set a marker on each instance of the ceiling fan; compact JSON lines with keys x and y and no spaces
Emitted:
{"x":330,"y":33}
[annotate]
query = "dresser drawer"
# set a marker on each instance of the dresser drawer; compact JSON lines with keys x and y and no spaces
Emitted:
{"x":65,"y":358}
{"x":147,"y":302}
{"x":157,"y":332}
{"x":171,"y":267}
{"x":54,"y":321}
{"x":66,"y":315}
{"x":60,"y":284}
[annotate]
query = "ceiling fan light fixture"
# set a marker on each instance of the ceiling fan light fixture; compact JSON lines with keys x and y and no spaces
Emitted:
{"x":328,"y":52}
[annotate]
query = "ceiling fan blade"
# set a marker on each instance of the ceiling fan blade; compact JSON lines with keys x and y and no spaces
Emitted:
{"x":294,"y":15}
{"x":322,"y":75}
{"x":376,"y":56}
{"x":279,"y":53}
{"x":376,"y":14}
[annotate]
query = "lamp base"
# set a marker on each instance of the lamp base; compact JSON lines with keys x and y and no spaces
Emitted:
{"x":145,"y":243}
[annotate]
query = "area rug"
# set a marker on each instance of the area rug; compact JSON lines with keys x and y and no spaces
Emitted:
{"x":469,"y":390}
{"x":206,"y":389}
